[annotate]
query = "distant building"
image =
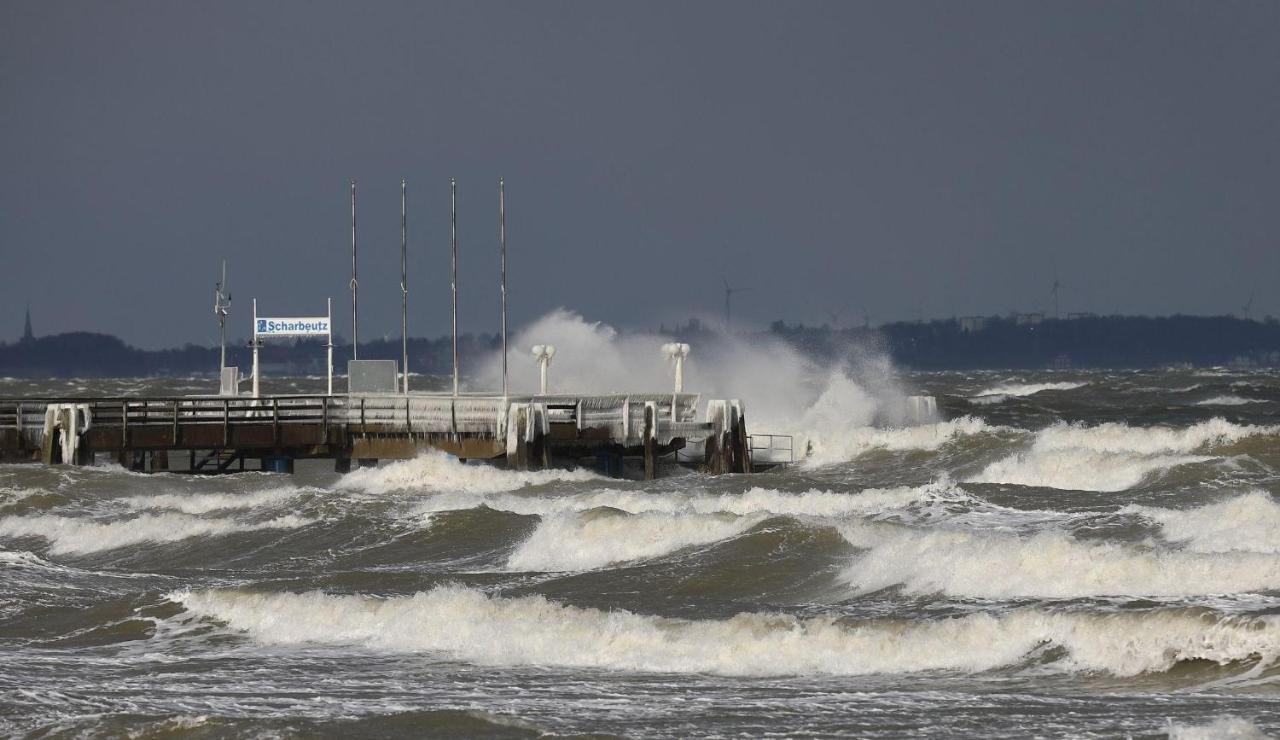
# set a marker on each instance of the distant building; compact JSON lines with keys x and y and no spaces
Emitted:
{"x":1078,"y":316}
{"x":27,"y":335}
{"x":1028,"y":319}
{"x":969,"y":324}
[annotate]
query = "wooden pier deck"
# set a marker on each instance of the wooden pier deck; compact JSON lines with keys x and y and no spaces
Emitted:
{"x":221,"y":434}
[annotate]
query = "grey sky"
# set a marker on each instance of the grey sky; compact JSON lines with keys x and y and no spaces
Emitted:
{"x":918,"y":159}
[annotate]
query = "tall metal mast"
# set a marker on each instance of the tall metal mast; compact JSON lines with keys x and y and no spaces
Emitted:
{"x":221,"y":307}
{"x":404,"y":290}
{"x":502,"y":235}
{"x":453,"y":242}
{"x":355,"y":312}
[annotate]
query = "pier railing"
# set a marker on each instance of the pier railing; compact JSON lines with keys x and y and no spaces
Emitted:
{"x":621,"y":416}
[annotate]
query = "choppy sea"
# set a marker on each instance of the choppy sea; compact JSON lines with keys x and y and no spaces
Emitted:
{"x":1066,"y":554}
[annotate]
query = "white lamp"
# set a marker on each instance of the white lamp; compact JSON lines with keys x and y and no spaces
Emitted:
{"x":677,"y":352}
{"x":543,"y":354}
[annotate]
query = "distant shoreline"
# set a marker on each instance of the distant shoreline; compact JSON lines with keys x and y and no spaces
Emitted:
{"x":1019,"y":342}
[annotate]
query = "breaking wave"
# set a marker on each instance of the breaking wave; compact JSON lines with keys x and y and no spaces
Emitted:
{"x":1111,"y":456}
{"x":602,"y":537}
{"x":1002,"y":565}
{"x":203,"y":503}
{"x":437,"y":471}
{"x":1026,"y":389}
{"x":71,"y":536}
{"x":853,"y":442}
{"x":466,"y":624}
{"x":1249,"y":522}
{"x":1222,"y":728}
{"x":1227,"y":401}
{"x":753,"y":501}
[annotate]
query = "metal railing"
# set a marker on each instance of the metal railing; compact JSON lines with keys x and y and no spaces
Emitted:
{"x":771,"y":449}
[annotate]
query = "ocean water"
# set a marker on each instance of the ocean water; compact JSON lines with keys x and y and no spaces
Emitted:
{"x":1067,"y":554}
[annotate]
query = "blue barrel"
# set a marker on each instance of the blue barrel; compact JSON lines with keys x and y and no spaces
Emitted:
{"x":277,"y":464}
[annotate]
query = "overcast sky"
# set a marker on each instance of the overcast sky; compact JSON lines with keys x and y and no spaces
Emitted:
{"x":912,"y":160}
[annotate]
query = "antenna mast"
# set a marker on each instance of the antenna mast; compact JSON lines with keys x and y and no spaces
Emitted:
{"x":355,"y":342}
{"x":221,"y":307}
{"x":404,"y":290}
{"x":453,"y":243}
{"x":502,"y":234}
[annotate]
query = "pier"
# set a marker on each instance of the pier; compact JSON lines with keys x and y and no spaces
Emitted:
{"x":207,"y":434}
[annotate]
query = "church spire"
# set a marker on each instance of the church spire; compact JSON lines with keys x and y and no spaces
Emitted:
{"x":27,"y":336}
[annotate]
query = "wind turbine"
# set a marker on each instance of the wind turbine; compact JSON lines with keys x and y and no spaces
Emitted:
{"x":1248,"y":305}
{"x":1056,"y":285}
{"x":222,"y":307}
{"x":835,"y":318}
{"x":728,"y":304}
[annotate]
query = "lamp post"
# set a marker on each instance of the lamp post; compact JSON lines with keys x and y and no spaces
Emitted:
{"x":677,"y":352}
{"x":543,"y":354}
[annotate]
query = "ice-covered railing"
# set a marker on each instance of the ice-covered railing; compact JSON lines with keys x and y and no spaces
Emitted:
{"x":621,"y":416}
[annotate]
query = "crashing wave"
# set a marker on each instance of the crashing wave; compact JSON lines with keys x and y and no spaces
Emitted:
{"x":1019,"y":390}
{"x":74,"y":536}
{"x":1050,"y":564}
{"x":1249,"y":522}
{"x":437,"y":471}
{"x":466,"y":624}
{"x":1111,"y":456}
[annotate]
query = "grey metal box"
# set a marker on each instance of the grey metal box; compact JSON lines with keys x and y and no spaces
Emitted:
{"x":371,"y":376}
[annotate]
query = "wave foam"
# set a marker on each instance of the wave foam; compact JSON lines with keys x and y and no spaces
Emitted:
{"x":1001,"y":565}
{"x":1249,"y":522}
{"x":437,"y":471}
{"x":71,"y":536}
{"x":602,"y":537}
{"x":466,"y":624}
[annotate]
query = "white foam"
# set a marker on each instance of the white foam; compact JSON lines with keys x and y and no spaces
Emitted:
{"x":466,"y":624}
{"x":1248,"y":522}
{"x":1227,"y":401}
{"x":1026,"y":389}
{"x":1003,"y":565}
{"x":1222,"y":728}
{"x":1111,"y":457}
{"x":69,"y":535}
{"x":603,"y":537}
{"x":437,"y":471}
{"x":202,"y":503}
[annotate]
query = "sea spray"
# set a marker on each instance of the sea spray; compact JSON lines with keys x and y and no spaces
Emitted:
{"x":784,"y":391}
